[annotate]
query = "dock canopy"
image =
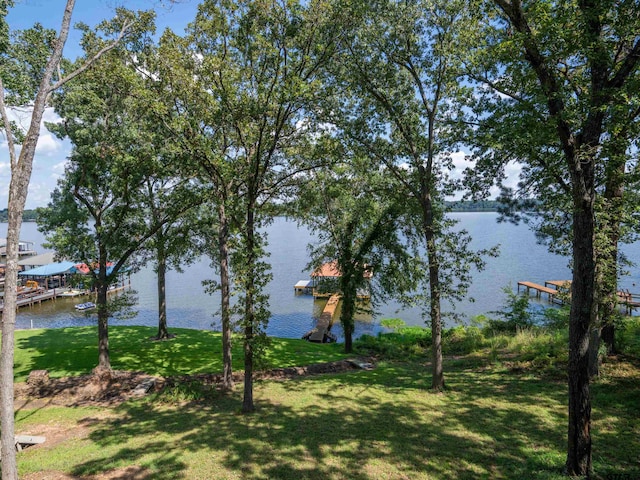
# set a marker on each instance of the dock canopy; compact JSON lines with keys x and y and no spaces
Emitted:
{"x":50,"y":270}
{"x":37,"y":260}
{"x":330,"y":270}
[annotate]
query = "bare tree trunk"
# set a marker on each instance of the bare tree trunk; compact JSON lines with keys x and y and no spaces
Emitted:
{"x":16,"y":207}
{"x":348,"y":311}
{"x":581,"y":318}
{"x":163,"y":331}
{"x":247,"y":399}
{"x":104,"y":361}
{"x":437,"y":382}
{"x":249,"y":313}
{"x":225,"y":299}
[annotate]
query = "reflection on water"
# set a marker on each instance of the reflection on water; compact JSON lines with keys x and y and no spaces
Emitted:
{"x":521,"y":258}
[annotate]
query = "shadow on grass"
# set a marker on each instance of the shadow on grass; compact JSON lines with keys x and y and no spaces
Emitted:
{"x":358,"y":426}
{"x":166,"y":463}
{"x":382,"y":423}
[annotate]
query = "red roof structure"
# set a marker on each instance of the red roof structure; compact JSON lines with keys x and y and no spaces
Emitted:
{"x":330,"y":269}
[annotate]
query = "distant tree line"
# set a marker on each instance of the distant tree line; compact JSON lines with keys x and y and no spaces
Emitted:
{"x":28,"y":216}
{"x":473,"y":206}
{"x":452,"y":206}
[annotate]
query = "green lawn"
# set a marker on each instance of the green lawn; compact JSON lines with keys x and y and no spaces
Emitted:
{"x":74,"y":351}
{"x":492,"y":422}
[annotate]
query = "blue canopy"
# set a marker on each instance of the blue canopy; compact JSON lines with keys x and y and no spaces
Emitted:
{"x":50,"y":270}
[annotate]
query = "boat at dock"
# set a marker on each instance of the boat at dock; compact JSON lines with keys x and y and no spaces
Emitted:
{"x":85,"y":306}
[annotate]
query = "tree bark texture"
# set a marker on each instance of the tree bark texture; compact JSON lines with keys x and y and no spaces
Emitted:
{"x":249,"y":313}
{"x":435,"y":312}
{"x":163,"y":331}
{"x":347,"y":313}
{"x":16,"y":207}
{"x":104,"y":361}
{"x":581,"y":317}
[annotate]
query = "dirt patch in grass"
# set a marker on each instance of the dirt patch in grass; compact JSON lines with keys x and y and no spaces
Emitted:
{"x":95,"y":389}
{"x":114,"y":387}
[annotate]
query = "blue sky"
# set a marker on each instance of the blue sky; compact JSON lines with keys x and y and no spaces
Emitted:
{"x":51,"y":153}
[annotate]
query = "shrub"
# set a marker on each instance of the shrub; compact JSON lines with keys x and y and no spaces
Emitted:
{"x":462,"y":340}
{"x":393,"y":323}
{"x":556,"y":318}
{"x":405,"y":343}
{"x":515,"y":313}
{"x":628,"y":336}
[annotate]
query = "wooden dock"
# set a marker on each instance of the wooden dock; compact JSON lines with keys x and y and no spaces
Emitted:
{"x":626,"y":299}
{"x":320,"y":333}
{"x":29,"y":299}
{"x":558,"y":284}
{"x":629,"y":301}
{"x":540,"y":289}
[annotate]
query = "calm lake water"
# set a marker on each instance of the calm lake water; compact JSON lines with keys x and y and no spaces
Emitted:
{"x":521,"y":258}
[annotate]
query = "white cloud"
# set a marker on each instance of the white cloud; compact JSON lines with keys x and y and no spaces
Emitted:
{"x":39,"y":194}
{"x":48,"y":145}
{"x":57,"y":170}
{"x":462,"y":161}
{"x":48,"y":163}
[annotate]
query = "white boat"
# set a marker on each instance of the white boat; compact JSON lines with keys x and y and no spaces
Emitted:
{"x":85,"y":306}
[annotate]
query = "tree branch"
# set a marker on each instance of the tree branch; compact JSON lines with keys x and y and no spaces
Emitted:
{"x":8,"y":129}
{"x":93,"y":59}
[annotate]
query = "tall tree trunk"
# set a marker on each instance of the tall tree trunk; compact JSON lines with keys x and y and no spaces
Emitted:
{"x":247,"y":399}
{"x":582,"y":315}
{"x":163,"y":331}
{"x":104,"y":361}
{"x":16,"y":207}
{"x":348,"y":311}
{"x":437,"y":382}
{"x":225,"y":298}
{"x":249,"y":313}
